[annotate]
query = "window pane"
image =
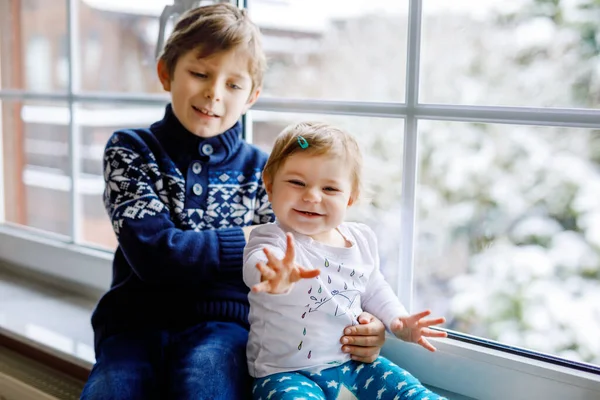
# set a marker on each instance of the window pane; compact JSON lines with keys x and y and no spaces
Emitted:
{"x":522,"y":53}
{"x":32,"y":51}
{"x":117,"y":44}
{"x":334,"y":49}
{"x":36,"y":165}
{"x":509,"y":234}
{"x":381,"y":141}
{"x":96,"y":124}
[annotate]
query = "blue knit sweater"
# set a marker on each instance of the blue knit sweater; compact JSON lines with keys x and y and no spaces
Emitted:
{"x":177,"y":203}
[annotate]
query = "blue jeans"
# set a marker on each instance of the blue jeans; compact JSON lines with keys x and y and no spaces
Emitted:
{"x":382,"y":380}
{"x":206,"y":361}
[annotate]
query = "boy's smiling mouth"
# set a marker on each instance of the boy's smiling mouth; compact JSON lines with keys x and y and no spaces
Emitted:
{"x":205,"y":111}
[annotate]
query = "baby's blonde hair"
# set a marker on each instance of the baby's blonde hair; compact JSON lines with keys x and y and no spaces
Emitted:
{"x":316,"y":138}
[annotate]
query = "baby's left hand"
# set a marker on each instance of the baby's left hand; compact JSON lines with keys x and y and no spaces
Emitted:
{"x":415,"y":329}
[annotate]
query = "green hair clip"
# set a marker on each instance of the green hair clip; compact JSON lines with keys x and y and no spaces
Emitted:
{"x":302,"y":142}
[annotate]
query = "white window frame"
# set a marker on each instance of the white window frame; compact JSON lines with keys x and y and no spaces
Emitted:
{"x":463,"y":368}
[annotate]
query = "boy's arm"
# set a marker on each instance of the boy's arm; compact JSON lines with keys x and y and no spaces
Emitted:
{"x":156,"y":249}
{"x":379,"y":299}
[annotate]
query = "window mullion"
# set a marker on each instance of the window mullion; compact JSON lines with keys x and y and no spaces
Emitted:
{"x":74,"y":131}
{"x":410,"y":159}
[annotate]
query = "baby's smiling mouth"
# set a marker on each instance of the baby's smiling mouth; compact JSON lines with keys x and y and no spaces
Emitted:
{"x":309,"y":213}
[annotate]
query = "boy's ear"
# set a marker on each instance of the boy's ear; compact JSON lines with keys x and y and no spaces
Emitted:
{"x":252,"y":99}
{"x":163,"y":75}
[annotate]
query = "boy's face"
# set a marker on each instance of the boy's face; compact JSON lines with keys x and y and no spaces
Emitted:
{"x":311,"y":194}
{"x":209,"y":94}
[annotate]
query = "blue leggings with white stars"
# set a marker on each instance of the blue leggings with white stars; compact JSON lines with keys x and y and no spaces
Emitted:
{"x":381,"y":380}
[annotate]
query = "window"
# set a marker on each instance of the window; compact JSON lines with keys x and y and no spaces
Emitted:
{"x":480,"y":122}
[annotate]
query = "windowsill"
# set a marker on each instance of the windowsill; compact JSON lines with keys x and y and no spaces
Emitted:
{"x":45,"y":316}
{"x":37,"y":312}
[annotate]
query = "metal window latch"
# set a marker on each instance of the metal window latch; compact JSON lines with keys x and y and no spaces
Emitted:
{"x":175,"y":10}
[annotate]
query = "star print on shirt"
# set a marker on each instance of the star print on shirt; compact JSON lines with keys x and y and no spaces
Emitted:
{"x":284,"y":378}
{"x":266,"y":381}
{"x":380,"y":393}
{"x":271,"y":393}
{"x":306,"y":384}
{"x":361,"y":366}
{"x":291,"y":388}
{"x":375,"y":364}
{"x":368,"y":382}
{"x":345,"y":369}
{"x":411,"y":392}
{"x":386,"y":374}
{"x":401,"y":385}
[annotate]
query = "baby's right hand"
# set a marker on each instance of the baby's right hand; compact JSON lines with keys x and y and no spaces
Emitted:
{"x":278,"y":276}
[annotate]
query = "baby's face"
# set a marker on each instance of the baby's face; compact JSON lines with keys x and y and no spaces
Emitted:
{"x":210,"y":94}
{"x":311,"y":194}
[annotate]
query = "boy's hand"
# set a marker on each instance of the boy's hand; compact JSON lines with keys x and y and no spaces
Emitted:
{"x":364,"y":341}
{"x":278,"y":276}
{"x":415,"y":329}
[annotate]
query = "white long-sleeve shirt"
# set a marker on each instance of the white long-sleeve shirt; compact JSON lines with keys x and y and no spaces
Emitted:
{"x":301,"y":329}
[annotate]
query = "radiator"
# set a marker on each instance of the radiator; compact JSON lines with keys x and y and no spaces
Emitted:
{"x":25,"y":379}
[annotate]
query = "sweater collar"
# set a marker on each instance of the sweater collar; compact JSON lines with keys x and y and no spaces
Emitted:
{"x":179,"y":142}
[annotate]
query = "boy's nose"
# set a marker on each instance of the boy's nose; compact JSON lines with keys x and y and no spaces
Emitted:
{"x":212,"y":92}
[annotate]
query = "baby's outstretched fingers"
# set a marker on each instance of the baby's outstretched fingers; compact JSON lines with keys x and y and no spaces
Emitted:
{"x":290,"y":251}
{"x":308,"y":273}
{"x":265,"y":271}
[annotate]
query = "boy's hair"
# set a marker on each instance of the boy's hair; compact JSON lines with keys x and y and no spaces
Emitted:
{"x":316,"y":138}
{"x":212,"y":29}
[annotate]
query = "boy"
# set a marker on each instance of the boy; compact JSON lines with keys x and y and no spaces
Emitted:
{"x":182,"y":197}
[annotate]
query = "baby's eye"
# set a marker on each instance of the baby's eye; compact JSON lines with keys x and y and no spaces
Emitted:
{"x":198,"y":74}
{"x":330,"y":189}
{"x":296,"y":182}
{"x":234,"y":86}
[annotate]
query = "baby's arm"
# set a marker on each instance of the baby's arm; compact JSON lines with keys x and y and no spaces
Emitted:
{"x":380,"y":300}
{"x":268,"y":236}
{"x":277,"y":274}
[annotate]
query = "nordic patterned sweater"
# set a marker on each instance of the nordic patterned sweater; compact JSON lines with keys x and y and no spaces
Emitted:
{"x":177,"y":203}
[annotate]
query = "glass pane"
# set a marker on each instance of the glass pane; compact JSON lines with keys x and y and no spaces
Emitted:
{"x":33,"y":53}
{"x":509,"y":234}
{"x":334,"y":49}
{"x":117,"y":45}
{"x":381,"y":141}
{"x":522,"y":53}
{"x":36,"y":165}
{"x":96,"y":124}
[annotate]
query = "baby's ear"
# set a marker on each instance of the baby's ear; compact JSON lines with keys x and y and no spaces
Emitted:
{"x":268,"y":182}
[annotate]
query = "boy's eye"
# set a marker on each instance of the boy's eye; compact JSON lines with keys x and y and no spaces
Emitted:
{"x":234,"y":86}
{"x":296,"y":182}
{"x":198,"y":74}
{"x":330,"y":189}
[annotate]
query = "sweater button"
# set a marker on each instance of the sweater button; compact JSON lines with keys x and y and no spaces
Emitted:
{"x":207,"y":149}
{"x":197,"y":189}
{"x":197,"y":168}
